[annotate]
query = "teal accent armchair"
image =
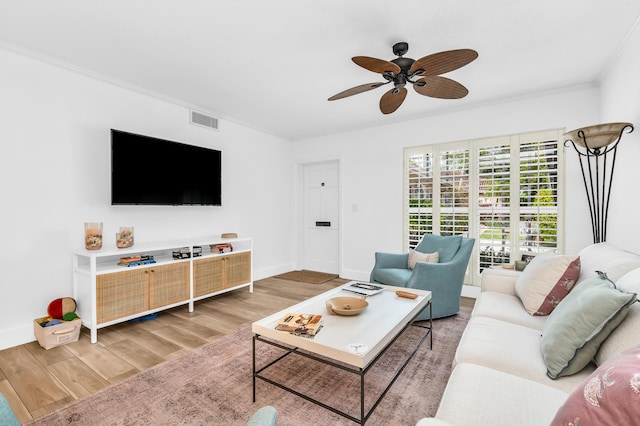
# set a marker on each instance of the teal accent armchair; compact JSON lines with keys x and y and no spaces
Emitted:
{"x":444,"y":279}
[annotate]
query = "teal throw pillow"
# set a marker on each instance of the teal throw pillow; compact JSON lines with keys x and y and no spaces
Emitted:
{"x":575,"y":329}
{"x":446,"y":246}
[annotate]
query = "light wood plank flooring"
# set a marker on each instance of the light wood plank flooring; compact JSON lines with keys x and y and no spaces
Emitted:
{"x":37,"y":381}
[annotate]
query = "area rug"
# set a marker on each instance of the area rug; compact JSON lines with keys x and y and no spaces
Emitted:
{"x":307,"y":276}
{"x":212,"y":385}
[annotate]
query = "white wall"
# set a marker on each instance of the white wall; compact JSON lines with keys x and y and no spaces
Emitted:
{"x":621,"y":103}
{"x":372,"y":166}
{"x":54,"y":174}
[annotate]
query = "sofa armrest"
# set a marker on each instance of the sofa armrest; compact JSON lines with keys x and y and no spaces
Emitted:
{"x":499,"y":280}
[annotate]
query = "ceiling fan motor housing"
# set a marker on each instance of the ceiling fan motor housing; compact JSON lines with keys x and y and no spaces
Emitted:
{"x":401,"y":79}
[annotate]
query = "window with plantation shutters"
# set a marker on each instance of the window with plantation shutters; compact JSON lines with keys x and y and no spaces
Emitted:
{"x":502,"y":191}
{"x":419,"y":172}
{"x":494,"y":204}
{"x":538,"y":195}
{"x":454,"y":192}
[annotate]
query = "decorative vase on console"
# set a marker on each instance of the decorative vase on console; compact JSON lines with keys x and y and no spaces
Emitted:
{"x":124,"y":238}
{"x":93,"y":235}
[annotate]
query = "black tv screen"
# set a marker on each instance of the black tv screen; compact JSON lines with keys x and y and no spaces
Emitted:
{"x":152,"y":171}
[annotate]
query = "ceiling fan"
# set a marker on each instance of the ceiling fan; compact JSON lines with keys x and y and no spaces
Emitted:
{"x":423,"y":74}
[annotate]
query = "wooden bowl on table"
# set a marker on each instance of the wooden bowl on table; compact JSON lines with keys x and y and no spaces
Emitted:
{"x":347,"y":305}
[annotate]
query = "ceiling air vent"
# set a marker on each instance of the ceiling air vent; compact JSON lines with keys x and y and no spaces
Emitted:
{"x":204,"y":120}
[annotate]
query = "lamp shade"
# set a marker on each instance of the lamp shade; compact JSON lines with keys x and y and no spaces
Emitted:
{"x":598,"y":135}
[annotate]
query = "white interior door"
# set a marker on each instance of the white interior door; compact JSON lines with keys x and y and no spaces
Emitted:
{"x":321,"y":217}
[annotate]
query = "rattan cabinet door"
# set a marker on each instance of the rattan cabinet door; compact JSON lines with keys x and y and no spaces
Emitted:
{"x":168,"y":284}
{"x":208,"y":275}
{"x":121,"y":294}
{"x":238,"y":269}
{"x":218,"y":273}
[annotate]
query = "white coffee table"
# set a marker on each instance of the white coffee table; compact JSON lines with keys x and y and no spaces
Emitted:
{"x":354,"y":340}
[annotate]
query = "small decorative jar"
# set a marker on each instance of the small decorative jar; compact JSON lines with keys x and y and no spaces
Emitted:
{"x":93,"y":235}
{"x":124,"y":238}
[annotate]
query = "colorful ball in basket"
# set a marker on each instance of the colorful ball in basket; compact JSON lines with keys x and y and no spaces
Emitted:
{"x":59,"y":307}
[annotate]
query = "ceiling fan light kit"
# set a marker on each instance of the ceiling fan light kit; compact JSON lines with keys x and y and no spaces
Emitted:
{"x":423,"y":74}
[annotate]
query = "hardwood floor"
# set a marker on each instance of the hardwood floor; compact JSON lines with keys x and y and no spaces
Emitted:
{"x":36,"y":381}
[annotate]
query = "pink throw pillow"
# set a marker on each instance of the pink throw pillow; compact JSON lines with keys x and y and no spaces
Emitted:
{"x":609,"y":396}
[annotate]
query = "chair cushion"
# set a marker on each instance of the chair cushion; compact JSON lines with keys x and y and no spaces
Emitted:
{"x":416,"y":256}
{"x":511,"y":348}
{"x":446,"y":246}
{"x":506,"y":307}
{"x":610,"y":395}
{"x":546,"y":281}
{"x":573,"y":332}
{"x":477,"y":395}
{"x":392,"y":276}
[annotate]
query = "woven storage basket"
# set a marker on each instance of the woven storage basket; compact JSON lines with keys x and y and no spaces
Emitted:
{"x":56,"y":335}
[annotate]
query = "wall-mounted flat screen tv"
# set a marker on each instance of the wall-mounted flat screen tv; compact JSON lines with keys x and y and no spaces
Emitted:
{"x":152,"y":171}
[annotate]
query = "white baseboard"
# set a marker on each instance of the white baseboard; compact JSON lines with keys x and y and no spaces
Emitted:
{"x":270,"y":272}
{"x":17,"y":336}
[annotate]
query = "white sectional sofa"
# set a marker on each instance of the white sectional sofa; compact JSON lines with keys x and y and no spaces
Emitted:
{"x":500,"y":373}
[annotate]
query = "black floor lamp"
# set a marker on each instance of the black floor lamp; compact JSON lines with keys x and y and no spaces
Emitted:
{"x":596,"y":145}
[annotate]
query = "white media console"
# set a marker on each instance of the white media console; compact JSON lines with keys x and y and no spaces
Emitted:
{"x":108,"y":293}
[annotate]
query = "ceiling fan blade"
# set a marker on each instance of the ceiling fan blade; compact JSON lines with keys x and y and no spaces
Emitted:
{"x":356,"y":90}
{"x":443,"y":62}
{"x":441,"y":87}
{"x":376,"y":65}
{"x":389,"y":102}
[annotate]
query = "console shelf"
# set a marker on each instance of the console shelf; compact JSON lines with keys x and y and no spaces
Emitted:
{"x":108,"y":293}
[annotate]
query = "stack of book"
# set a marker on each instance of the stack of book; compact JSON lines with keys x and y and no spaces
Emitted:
{"x":306,"y":325}
{"x":221,"y":248}
{"x":136,"y":260}
{"x":182,"y":253}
